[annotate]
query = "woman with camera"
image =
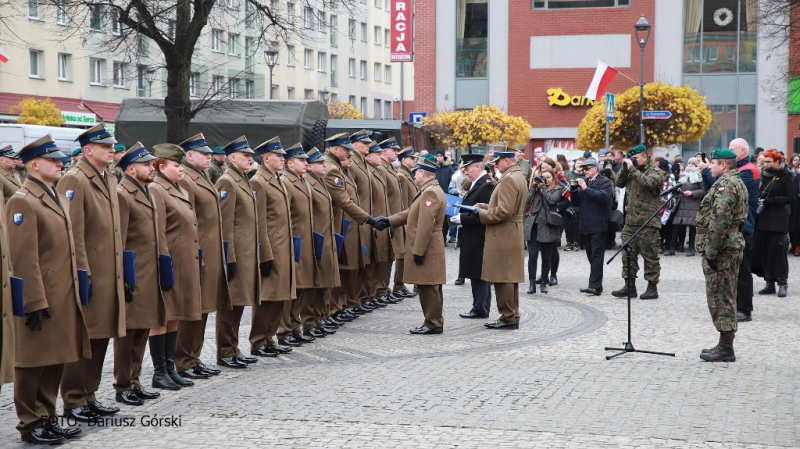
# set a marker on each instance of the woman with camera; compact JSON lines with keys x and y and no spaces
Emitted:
{"x":772,"y":224}
{"x":542,"y":225}
{"x":692,"y":194}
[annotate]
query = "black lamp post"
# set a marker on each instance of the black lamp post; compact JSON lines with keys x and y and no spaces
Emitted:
{"x":642,"y":36}
{"x":271,"y":57}
{"x":326,"y":95}
{"x":150,"y":75}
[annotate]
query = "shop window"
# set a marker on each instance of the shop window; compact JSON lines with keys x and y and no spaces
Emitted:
{"x":558,"y":4}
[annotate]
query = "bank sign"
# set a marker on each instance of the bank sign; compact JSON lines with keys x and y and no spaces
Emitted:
{"x":557,"y":97}
{"x":79,"y":118}
{"x":400,"y":45}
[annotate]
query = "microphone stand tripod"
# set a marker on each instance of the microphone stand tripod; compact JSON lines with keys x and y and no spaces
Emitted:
{"x":628,"y":346}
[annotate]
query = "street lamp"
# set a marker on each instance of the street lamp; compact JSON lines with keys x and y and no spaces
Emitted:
{"x":326,"y":95}
{"x":271,"y":57}
{"x":150,"y":75}
{"x":642,"y":36}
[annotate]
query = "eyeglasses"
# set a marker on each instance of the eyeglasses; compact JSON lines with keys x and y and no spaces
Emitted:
{"x":769,"y":161}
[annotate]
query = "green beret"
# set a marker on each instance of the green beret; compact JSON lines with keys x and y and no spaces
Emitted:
{"x":723,"y":153}
{"x":76,"y":152}
{"x":218,"y":150}
{"x":119,"y":148}
{"x":169,"y":151}
{"x":636,"y":150}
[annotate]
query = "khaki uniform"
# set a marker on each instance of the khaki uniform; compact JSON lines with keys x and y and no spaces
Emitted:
{"x":367,"y":276}
{"x":503,"y":257}
{"x":204,"y":197}
{"x":424,"y":221}
{"x":139,"y":233}
{"x":408,"y":190}
{"x":41,"y":248}
{"x":7,"y":344}
{"x":328,"y":266}
{"x":239,"y":229}
{"x":383,"y":243}
{"x":94,"y":214}
{"x":11,"y":182}
{"x":275,"y":236}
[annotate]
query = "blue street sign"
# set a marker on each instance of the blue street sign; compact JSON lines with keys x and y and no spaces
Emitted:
{"x":416,"y":117}
{"x":609,"y":107}
{"x":656,"y":115}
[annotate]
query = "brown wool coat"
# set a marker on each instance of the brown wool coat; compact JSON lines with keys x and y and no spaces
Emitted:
{"x":139,"y":233}
{"x":205,"y":200}
{"x":503,"y":258}
{"x":41,"y":249}
{"x":239,"y":229}
{"x":7,"y":344}
{"x":10,"y":182}
{"x":382,"y":249}
{"x":177,"y":226}
{"x":394,"y":197}
{"x":344,"y":194}
{"x":94,"y":213}
{"x":408,"y":190}
{"x":302,"y":225}
{"x":361,"y":175}
{"x":273,"y":202}
{"x":423,"y":221}
{"x":323,"y":224}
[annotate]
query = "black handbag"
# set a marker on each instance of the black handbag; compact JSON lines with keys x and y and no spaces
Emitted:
{"x":616,"y":220}
{"x":552,"y":218}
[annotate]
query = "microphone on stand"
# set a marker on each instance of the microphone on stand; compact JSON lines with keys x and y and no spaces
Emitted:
{"x":672,"y":189}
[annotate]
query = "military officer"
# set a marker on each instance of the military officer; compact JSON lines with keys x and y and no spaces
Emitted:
{"x":10,"y":180}
{"x":503,"y":254}
{"x":144,"y":303}
{"x":217,"y":165}
{"x":204,"y":197}
{"x":239,"y":230}
{"x":119,"y":151}
{"x":382,"y":240}
{"x":720,"y":221}
{"x":394,"y":205}
{"x":53,"y":332}
{"x":424,"y":219}
{"x":94,"y":213}
{"x":368,"y":275}
{"x":277,"y":267}
{"x":642,"y":181}
{"x":6,"y":313}
{"x":409,"y":190}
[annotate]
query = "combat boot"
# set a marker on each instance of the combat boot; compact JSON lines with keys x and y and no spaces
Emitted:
{"x":651,"y":292}
{"x":623,"y":292}
{"x":768,"y":289}
{"x":723,"y":352}
{"x":782,"y":288}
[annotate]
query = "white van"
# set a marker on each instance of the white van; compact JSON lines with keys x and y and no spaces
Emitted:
{"x":20,"y":135}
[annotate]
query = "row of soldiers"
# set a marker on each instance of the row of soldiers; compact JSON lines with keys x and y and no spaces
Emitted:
{"x":298,"y":242}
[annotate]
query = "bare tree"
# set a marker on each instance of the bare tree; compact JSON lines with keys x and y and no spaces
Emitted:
{"x":175,"y":26}
{"x":779,"y":22}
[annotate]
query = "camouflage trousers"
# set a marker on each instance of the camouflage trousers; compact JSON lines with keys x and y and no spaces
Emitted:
{"x":721,"y":289}
{"x":646,"y":244}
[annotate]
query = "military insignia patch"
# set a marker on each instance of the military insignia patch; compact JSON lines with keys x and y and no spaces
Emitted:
{"x":223,"y":194}
{"x":254,"y":193}
{"x":70,"y":194}
{"x":428,"y":203}
{"x":721,"y":189}
{"x":17,"y":219}
{"x":337,"y":181}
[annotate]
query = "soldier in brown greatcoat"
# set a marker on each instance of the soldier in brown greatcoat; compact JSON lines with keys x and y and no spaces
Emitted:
{"x":394,"y":200}
{"x":408,"y":190}
{"x":94,"y":213}
{"x":380,"y":207}
{"x":42,"y":253}
{"x":277,"y":268}
{"x":144,"y":308}
{"x":6,"y":315}
{"x":213,"y":284}
{"x":239,"y":230}
{"x":367,"y":276}
{"x":9,"y":179}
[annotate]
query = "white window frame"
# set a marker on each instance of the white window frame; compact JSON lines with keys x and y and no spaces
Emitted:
{"x":351,"y":67}
{"x":216,"y":40}
{"x":351,"y":28}
{"x":290,"y":93}
{"x":308,"y":94}
{"x":352,"y":100}
{"x":362,"y":70}
{"x":290,"y":56}
{"x":363,"y":106}
{"x":249,"y":89}
{"x":308,"y":17}
{"x":116,"y":25}
{"x":233,"y":44}
{"x":95,"y":9}
{"x":63,"y":66}
{"x":193,"y":78}
{"x":387,"y":74}
{"x":95,"y":72}
{"x":377,"y":107}
{"x":119,"y":80}
{"x":376,"y":71}
{"x":387,"y":36}
{"x":321,"y":21}
{"x":217,"y":85}
{"x":308,"y":58}
{"x":377,"y":31}
{"x":33,"y":5}
{"x":388,"y":111}
{"x":334,"y":29}
{"x":363,"y":31}
{"x":233,"y":88}
{"x":322,"y":61}
{"x":290,"y":14}
{"x":35,"y":58}
{"x":142,"y":86}
{"x":334,"y":71}
{"x":61,"y":12}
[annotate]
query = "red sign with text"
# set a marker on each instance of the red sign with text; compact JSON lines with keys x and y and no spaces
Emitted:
{"x":401,"y":31}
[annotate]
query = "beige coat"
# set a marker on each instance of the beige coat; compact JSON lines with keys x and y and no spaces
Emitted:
{"x":41,"y":249}
{"x":323,"y":224}
{"x":408,"y":190}
{"x":177,"y":226}
{"x":205,"y":200}
{"x":139,"y":233}
{"x":424,"y":221}
{"x":504,"y":257}
{"x":94,"y":213}
{"x":344,"y":194}
{"x":394,"y":197}
{"x":382,"y":249}
{"x":275,"y":235}
{"x":302,"y":225}
{"x":10,"y":182}
{"x":7,"y":322}
{"x":363,"y":179}
{"x":239,"y":229}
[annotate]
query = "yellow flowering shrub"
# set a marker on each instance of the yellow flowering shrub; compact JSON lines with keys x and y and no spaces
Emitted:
{"x":690,"y":118}
{"x":343,"y":110}
{"x":37,"y":112}
{"x":479,"y":126}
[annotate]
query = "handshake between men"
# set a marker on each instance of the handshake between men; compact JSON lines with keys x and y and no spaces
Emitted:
{"x":379,"y":223}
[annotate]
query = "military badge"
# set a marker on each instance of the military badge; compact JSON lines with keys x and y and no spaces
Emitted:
{"x":721,"y":189}
{"x":254,"y":193}
{"x":428,"y":203}
{"x":17,"y":219}
{"x":223,"y":194}
{"x":70,"y":194}
{"x":337,"y":181}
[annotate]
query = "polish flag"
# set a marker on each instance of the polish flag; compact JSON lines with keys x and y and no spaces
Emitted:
{"x":3,"y":56}
{"x":602,"y":78}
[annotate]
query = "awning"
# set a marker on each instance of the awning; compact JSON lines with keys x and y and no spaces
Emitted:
{"x":106,"y":112}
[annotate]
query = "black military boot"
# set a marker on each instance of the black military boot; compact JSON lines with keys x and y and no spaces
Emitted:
{"x":651,"y":292}
{"x":532,"y":288}
{"x":768,"y":289}
{"x":782,"y":288}
{"x":623,"y":292}
{"x":161,"y":378}
{"x":169,"y":356}
{"x":723,"y":352}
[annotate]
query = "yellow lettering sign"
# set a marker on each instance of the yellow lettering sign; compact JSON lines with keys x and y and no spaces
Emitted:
{"x":558,"y":97}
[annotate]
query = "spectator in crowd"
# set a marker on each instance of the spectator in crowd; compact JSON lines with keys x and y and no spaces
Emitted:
{"x":562,"y":162}
{"x":571,"y":226}
{"x":522,"y":163}
{"x":666,"y":222}
{"x":541,"y":232}
{"x":617,"y":157}
{"x":691,"y":196}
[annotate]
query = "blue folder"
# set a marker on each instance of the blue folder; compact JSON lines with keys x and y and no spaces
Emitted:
{"x":363,"y":250}
{"x":166,"y":270}
{"x":298,"y":244}
{"x":225,"y":248}
{"x":345,"y":226}
{"x":200,"y":256}
{"x":339,"y":244}
{"x":452,"y":204}
{"x":129,"y":266}
{"x":18,"y":296}
{"x":319,"y":245}
{"x":470,"y":208}
{"x":83,"y":287}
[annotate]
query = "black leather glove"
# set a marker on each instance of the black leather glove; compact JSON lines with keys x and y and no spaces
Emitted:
{"x":265,"y":268}
{"x":89,"y":284}
{"x":379,"y":223}
{"x":128,"y":293}
{"x":231,"y":270}
{"x":712,"y":263}
{"x":166,"y":287}
{"x":371,"y":221}
{"x":418,"y":259}
{"x":34,"y":320}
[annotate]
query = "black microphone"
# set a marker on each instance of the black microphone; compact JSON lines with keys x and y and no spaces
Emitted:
{"x":672,"y":189}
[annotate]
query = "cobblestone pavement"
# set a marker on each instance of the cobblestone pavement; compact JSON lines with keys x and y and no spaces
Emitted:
{"x":548,"y":384}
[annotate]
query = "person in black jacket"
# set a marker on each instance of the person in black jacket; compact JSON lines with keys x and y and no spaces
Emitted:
{"x":772,"y":224}
{"x":473,"y":236}
{"x":593,"y":195}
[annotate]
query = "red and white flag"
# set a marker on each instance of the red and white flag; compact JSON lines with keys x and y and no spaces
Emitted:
{"x":3,"y":56}
{"x":602,"y":78}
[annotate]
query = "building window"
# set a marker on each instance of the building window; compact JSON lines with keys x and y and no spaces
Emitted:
{"x":377,"y":108}
{"x":322,"y":60}
{"x":713,"y":53}
{"x":363,"y":106}
{"x":307,"y":56}
{"x":249,"y":54}
{"x":249,"y":89}
{"x":730,"y":52}
{"x":352,"y":100}
{"x":321,"y":21}
{"x":387,"y":74}
{"x":387,"y":5}
{"x":64,"y":64}
{"x":363,"y":70}
{"x":308,"y":94}
{"x":216,"y":40}
{"x":555,"y":4}
{"x":290,"y":55}
{"x":387,"y":110}
{"x":334,"y":32}
{"x":95,"y":17}
{"x":233,"y":44}
{"x":217,"y":85}
{"x":472,"y":38}
{"x":274,"y":91}
{"x":363,"y":32}
{"x":33,"y":9}
{"x":377,"y":35}
{"x":387,"y":36}
{"x":308,"y":17}
{"x":351,"y":68}
{"x":193,"y":78}
{"x":95,"y":71}
{"x":119,"y":74}
{"x":61,"y":12}
{"x":378,"y":3}
{"x":35,"y":61}
{"x":250,"y":14}
{"x":334,"y":70}
{"x":233,"y":88}
{"x":116,"y":26}
{"x":141,"y":44}
{"x":290,"y":93}
{"x":290,"y":12}
{"x":376,"y":71}
{"x":233,"y":4}
{"x":141,"y":81}
{"x":171,"y":30}
{"x":351,"y":28}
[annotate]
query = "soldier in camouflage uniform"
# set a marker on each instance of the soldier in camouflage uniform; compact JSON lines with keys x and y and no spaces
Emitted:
{"x":217,"y":165}
{"x":642,"y":181}
{"x":119,"y":151}
{"x":720,"y":221}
